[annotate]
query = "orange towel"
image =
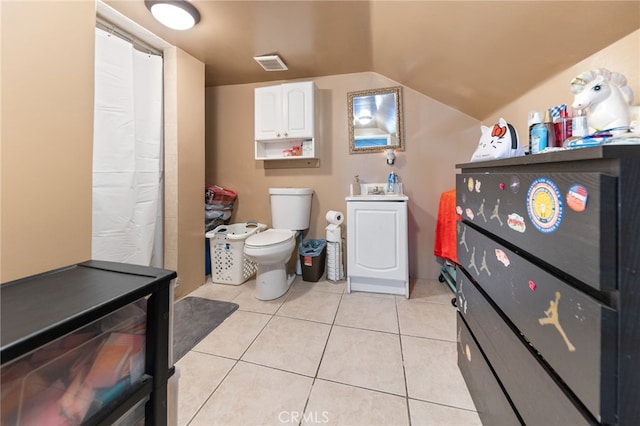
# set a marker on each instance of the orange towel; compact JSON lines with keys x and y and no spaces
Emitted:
{"x":446,"y":240}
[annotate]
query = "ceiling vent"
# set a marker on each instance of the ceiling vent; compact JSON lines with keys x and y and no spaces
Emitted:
{"x":271,"y":63}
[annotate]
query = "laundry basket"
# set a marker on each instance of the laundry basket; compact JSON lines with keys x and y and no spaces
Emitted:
{"x":229,"y":265}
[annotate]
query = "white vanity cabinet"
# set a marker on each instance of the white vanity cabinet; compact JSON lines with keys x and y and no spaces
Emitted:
{"x":377,"y":244}
{"x":285,"y":121}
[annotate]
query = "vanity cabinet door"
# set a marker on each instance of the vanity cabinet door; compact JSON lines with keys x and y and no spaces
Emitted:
{"x":377,"y":241}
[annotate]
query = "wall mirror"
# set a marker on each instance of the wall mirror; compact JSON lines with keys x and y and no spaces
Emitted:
{"x":375,"y":120}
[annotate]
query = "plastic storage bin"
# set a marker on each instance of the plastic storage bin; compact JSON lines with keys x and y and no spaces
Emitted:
{"x":70,"y":379}
{"x":226,"y":244}
{"x":313,"y":255}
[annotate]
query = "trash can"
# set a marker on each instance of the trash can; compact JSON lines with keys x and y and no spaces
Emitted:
{"x":229,"y":265}
{"x":313,"y":255}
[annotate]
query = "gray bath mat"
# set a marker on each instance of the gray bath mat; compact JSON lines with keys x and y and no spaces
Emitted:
{"x":193,"y":319}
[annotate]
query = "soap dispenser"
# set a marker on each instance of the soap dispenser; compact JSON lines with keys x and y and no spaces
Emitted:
{"x":355,"y":186}
{"x":391,"y":181}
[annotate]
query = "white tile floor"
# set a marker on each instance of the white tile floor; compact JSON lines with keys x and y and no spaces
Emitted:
{"x":319,"y":355}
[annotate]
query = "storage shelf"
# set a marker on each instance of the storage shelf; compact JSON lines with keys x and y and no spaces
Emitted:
{"x":291,"y":157}
{"x":40,"y":311}
{"x":287,"y":140}
{"x":285,"y":121}
{"x":275,"y":149}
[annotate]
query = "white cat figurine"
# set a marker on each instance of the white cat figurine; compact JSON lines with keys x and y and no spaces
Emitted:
{"x":499,"y":141}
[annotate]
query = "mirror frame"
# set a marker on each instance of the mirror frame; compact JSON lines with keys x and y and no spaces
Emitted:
{"x":397,"y":91}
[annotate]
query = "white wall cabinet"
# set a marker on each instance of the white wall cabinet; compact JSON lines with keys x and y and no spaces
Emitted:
{"x":285,"y":121}
{"x":377,"y":245}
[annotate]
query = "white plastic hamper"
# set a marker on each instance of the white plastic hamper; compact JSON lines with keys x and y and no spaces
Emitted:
{"x":229,"y":265}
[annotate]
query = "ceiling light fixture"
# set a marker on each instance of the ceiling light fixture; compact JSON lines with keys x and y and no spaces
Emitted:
{"x":175,"y":14}
{"x":365,"y":119}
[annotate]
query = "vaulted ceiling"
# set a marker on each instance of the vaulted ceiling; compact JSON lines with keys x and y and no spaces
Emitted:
{"x":475,"y":56}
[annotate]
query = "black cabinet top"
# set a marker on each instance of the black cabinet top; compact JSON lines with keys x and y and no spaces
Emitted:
{"x":39,"y":309}
{"x":603,"y":152}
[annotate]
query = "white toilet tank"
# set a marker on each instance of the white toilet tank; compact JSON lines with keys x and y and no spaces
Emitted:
{"x":290,"y":208}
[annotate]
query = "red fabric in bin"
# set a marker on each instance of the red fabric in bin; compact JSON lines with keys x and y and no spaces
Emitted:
{"x":446,"y":244}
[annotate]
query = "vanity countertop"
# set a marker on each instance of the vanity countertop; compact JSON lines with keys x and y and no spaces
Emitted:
{"x":377,"y":197}
{"x":377,"y":192}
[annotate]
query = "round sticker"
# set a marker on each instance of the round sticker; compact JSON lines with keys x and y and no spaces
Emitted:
{"x":544,"y":204}
{"x":467,"y":351}
{"x":577,"y":197}
{"x":470,"y":184}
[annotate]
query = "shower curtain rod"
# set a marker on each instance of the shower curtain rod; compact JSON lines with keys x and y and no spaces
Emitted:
{"x":137,"y":44}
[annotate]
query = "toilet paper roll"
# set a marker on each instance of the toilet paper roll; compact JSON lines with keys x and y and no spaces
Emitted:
{"x":334,"y":217}
{"x":334,"y":233}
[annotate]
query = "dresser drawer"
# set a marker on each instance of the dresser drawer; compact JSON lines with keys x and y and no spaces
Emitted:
{"x":573,"y":332}
{"x":491,"y":403}
{"x":536,"y":396}
{"x":567,"y":220}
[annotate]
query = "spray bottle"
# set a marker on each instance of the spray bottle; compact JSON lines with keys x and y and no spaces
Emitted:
{"x":537,"y":133}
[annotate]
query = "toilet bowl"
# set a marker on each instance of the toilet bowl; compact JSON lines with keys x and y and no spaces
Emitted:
{"x":270,"y":250}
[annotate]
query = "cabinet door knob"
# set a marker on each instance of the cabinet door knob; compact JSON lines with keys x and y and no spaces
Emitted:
{"x":278,"y":135}
{"x":286,"y":134}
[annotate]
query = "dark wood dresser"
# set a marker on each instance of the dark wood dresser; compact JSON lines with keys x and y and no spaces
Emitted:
{"x":548,"y":289}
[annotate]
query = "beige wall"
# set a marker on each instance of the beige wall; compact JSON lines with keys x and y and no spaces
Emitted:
{"x":184,"y":169}
{"x":47,"y":138}
{"x":622,"y":56}
{"x":436,"y":137}
{"x":47,"y":132}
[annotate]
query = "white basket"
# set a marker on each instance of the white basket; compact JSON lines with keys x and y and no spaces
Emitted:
{"x":229,"y":265}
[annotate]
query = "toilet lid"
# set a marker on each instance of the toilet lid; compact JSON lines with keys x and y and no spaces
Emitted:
{"x":269,"y":237}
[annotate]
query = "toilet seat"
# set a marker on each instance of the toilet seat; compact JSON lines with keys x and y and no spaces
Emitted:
{"x":269,"y":238}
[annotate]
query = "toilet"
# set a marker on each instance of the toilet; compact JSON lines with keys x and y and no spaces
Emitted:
{"x":272,"y":249}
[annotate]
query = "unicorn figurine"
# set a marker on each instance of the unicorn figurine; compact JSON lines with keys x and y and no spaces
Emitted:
{"x":606,"y":98}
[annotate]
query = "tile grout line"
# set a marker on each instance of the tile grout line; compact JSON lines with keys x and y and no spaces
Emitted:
{"x":326,"y":343}
{"x":212,"y":392}
{"x":231,"y":369}
{"x":404,"y":368}
{"x":315,"y":377}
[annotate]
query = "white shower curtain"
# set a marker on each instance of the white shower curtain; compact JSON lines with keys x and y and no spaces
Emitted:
{"x":127,"y":154}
